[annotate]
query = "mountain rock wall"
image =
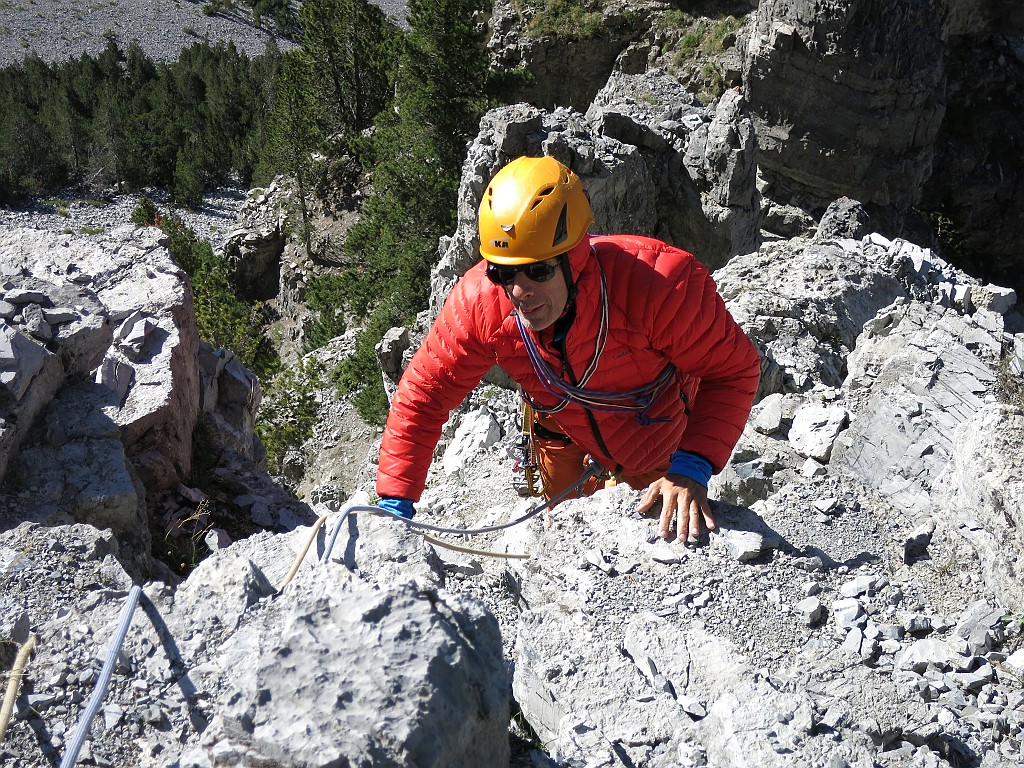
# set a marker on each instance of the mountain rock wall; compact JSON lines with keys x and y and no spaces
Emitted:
{"x":653,"y":161}
{"x":847,"y":98}
{"x":901,"y":106}
{"x":911,"y":108}
{"x":119,"y":312}
{"x":103,"y":382}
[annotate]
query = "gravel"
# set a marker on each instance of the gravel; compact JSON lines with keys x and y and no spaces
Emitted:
{"x":58,"y":30}
{"x":70,"y":213}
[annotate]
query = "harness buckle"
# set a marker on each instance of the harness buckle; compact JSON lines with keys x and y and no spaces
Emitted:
{"x":531,"y":483}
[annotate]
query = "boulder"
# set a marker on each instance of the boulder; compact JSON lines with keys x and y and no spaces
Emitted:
{"x":815,"y":429}
{"x":805,"y":302}
{"x":928,"y":370}
{"x":653,"y":160}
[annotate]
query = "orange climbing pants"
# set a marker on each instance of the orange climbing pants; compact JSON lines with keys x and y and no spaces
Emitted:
{"x":561,"y":462}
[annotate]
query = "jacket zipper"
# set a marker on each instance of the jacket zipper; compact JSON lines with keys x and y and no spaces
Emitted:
{"x":558,"y":341}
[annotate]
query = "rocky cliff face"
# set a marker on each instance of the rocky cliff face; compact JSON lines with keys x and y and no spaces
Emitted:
{"x":860,"y":604}
{"x":102,"y":388}
{"x":902,"y":107}
{"x":857,"y":606}
{"x":910,"y":108}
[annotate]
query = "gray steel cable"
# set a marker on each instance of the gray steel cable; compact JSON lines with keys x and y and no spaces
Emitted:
{"x":104,"y":679}
{"x":593,"y":470}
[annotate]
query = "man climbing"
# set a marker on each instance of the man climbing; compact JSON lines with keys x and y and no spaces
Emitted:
{"x":620,"y":344}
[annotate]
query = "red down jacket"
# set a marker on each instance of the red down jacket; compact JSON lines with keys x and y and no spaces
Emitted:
{"x":663,"y":307}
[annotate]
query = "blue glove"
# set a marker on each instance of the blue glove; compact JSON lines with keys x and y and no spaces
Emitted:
{"x":691,"y":465}
{"x":401,"y":507}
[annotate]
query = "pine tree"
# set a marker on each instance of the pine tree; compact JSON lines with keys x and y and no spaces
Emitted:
{"x":120,"y":119}
{"x":417,"y":152}
{"x":188,"y":177}
{"x":296,"y":129}
{"x":133,"y":107}
{"x":347,"y":46}
{"x":443,"y":76}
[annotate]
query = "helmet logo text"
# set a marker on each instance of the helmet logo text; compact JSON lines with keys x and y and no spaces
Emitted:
{"x":499,"y":243}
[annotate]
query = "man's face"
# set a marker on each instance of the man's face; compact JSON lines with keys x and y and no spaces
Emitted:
{"x":539,"y":303}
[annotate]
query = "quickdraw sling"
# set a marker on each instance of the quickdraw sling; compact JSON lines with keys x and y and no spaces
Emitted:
{"x":638,"y":400}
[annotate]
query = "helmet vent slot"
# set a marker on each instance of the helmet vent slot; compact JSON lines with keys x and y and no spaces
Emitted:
{"x":562,"y":228}
{"x":541,"y":195}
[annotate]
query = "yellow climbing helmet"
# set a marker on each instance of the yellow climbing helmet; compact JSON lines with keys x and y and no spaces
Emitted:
{"x":533,"y":209}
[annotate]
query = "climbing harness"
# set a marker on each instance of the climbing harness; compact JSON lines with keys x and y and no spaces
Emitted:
{"x":638,"y":400}
{"x":525,"y":455}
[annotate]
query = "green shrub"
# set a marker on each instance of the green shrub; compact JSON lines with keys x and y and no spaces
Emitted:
{"x":360,"y":372}
{"x":567,"y":19}
{"x":690,"y":43}
{"x":1009,"y":385}
{"x":223,"y":319}
{"x":325,"y":295}
{"x":145,"y":213}
{"x":218,"y":6}
{"x":696,"y":57}
{"x":205,"y":455}
{"x":674,"y":19}
{"x":188,"y":186}
{"x":182,"y":546}
{"x":289,"y":411}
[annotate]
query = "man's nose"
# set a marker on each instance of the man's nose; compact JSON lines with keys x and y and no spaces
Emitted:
{"x":522,"y":285}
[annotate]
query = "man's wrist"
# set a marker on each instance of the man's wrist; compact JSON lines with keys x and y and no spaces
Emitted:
{"x":691,"y":465}
{"x":398,"y":506}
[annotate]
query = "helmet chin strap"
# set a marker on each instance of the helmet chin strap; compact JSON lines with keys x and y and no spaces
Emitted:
{"x":563,"y":260}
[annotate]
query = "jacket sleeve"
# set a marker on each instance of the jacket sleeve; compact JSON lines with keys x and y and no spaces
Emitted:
{"x":450,"y":362}
{"x":703,"y":340}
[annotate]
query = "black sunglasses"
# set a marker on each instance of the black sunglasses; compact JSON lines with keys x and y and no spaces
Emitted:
{"x":505,"y":274}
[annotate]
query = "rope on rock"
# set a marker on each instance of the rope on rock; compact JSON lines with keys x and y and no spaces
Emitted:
{"x":132,"y":601}
{"x":593,"y":469}
{"x":302,"y":554}
{"x":471,"y":551}
{"x":14,"y":683}
{"x":104,"y":679}
{"x":373,"y":510}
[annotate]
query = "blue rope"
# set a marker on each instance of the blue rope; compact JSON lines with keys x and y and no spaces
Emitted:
{"x":104,"y":679}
